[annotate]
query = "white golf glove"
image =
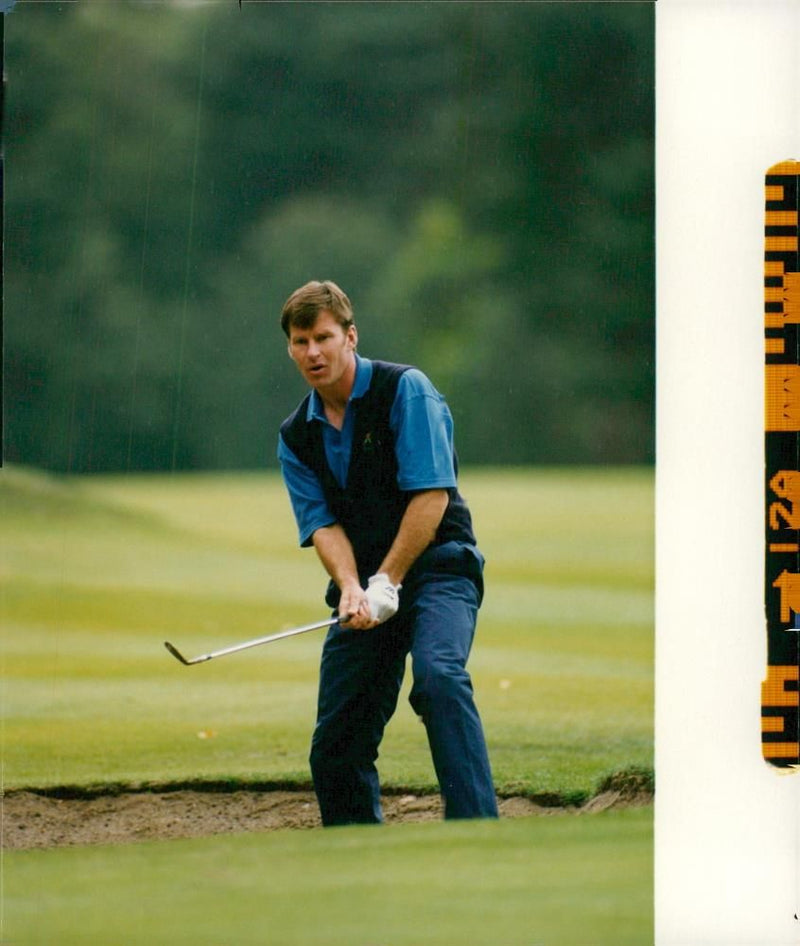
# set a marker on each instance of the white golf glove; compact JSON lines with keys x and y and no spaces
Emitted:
{"x":383,"y":597}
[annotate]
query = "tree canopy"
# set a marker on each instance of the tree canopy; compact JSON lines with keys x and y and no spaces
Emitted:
{"x":478,"y":177}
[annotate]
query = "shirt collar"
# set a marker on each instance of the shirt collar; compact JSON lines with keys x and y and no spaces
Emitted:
{"x":361,"y":383}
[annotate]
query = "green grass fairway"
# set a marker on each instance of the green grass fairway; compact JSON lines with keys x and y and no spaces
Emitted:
{"x":98,"y":572}
{"x":559,"y":881}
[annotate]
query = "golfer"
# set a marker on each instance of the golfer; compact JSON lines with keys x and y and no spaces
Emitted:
{"x":369,"y":465}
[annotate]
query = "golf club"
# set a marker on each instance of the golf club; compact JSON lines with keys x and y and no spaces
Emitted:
{"x":243,"y":646}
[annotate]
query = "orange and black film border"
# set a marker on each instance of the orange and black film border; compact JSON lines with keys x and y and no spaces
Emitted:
{"x":780,"y":691}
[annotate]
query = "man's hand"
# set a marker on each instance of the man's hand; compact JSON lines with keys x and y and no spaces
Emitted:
{"x":383,"y":598}
{"x":354,"y":609}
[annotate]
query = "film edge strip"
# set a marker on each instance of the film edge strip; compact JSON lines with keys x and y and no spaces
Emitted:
{"x":780,"y":691}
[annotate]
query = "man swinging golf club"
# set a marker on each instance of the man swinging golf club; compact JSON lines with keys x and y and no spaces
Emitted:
{"x":369,"y":465}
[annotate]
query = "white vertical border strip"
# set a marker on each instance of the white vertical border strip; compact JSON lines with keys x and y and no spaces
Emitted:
{"x":728,"y":107}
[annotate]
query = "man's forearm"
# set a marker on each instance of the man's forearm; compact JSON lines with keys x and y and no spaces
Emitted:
{"x":417,"y":530}
{"x":336,"y":554}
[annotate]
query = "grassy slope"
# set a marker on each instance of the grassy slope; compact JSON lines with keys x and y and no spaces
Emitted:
{"x":561,"y":881}
{"x":98,"y":572}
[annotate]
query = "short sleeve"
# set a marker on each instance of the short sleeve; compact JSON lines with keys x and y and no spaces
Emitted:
{"x":310,"y":509}
{"x":423,"y":429}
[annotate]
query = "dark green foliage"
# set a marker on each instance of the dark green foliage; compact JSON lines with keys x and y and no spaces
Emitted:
{"x":478,"y":177}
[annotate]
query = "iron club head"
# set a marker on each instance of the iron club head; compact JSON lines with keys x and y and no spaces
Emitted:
{"x":179,"y":656}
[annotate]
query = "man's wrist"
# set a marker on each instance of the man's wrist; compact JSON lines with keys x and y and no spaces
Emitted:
{"x":349,"y":585}
{"x":393,"y":575}
{"x":385,"y":577}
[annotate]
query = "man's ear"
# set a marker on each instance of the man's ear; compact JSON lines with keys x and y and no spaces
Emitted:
{"x":352,"y":336}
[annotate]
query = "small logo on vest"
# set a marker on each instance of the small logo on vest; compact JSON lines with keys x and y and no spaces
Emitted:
{"x":366,"y":444}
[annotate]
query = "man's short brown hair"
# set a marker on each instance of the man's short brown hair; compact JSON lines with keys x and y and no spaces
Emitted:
{"x":304,"y":305}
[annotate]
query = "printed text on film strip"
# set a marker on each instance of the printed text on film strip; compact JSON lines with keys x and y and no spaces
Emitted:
{"x":780,"y":692}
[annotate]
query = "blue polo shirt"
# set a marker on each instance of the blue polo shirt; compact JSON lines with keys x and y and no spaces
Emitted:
{"x":423,"y":430}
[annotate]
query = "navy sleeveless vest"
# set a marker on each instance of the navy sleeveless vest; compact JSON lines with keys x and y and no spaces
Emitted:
{"x":371,"y":505}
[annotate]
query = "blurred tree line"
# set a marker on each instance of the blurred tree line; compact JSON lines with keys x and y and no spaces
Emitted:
{"x":477,"y":176}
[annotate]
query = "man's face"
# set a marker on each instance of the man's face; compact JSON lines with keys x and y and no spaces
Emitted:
{"x":324,"y":352}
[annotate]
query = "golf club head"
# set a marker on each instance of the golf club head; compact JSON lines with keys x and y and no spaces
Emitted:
{"x":179,"y":656}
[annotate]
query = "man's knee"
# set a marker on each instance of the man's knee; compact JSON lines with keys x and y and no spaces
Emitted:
{"x":439,"y":686}
{"x":355,"y":747}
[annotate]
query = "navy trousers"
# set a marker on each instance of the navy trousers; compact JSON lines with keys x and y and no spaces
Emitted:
{"x":360,"y":678}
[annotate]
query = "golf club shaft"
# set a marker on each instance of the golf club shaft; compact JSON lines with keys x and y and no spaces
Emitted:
{"x":253,"y":643}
